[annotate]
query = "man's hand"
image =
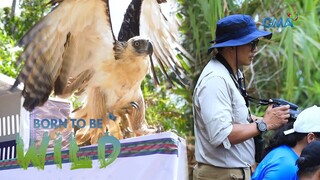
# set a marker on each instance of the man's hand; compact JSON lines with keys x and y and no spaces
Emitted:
{"x":275,"y":117}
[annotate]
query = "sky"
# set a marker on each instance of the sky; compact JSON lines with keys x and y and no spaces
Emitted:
{"x":5,"y":3}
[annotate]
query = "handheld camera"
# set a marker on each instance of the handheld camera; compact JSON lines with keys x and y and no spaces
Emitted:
{"x":293,"y":110}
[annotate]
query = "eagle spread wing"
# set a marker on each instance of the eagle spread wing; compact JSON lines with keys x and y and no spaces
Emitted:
{"x":73,"y":50}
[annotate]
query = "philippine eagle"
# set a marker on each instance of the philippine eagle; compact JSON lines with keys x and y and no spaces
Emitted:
{"x":73,"y":50}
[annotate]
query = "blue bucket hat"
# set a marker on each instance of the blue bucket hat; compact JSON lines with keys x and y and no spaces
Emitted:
{"x":237,"y":30}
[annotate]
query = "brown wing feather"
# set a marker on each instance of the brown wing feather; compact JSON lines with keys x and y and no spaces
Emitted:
{"x":71,"y":39}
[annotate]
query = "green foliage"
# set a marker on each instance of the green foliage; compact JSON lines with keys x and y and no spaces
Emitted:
{"x":289,"y":66}
{"x":12,"y":28}
{"x":198,"y":27}
{"x":31,"y":12}
{"x":7,"y":56}
{"x":168,"y":109}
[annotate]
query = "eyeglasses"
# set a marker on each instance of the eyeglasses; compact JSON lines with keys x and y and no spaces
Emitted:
{"x":253,"y":44}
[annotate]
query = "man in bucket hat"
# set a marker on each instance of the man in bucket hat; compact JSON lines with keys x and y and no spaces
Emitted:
{"x":224,"y":131}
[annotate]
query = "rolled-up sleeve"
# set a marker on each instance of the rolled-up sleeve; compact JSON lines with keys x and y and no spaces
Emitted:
{"x":214,"y":100}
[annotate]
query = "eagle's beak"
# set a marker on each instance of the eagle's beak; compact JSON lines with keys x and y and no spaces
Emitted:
{"x":150,"y":48}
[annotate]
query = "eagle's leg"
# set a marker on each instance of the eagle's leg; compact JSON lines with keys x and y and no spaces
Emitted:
{"x":124,"y":123}
{"x":114,"y":127}
{"x":136,"y":117}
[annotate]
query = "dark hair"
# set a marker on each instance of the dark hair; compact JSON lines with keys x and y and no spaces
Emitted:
{"x":219,"y":49}
{"x":279,"y":138}
{"x":309,"y":160}
{"x":309,"y":171}
{"x":317,"y":134}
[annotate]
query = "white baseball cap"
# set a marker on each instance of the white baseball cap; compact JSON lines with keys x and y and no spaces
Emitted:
{"x":307,"y":121}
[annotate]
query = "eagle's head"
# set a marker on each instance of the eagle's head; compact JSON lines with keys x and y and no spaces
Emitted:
{"x":135,"y":47}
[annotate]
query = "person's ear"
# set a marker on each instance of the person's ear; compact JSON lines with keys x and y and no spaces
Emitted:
{"x":318,"y":174}
{"x":311,"y":137}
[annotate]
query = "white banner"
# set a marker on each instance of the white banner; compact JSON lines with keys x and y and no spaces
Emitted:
{"x":162,"y":156}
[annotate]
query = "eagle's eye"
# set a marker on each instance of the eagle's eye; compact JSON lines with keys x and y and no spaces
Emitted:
{"x":137,"y":43}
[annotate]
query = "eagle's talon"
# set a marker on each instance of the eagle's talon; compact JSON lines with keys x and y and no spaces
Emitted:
{"x":159,"y":129}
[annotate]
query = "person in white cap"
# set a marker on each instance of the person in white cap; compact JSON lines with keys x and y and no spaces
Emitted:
{"x":286,"y":147}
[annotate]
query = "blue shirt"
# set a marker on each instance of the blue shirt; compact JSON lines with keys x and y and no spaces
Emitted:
{"x":280,"y":163}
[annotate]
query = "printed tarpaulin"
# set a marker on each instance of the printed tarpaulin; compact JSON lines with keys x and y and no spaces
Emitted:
{"x":157,"y":157}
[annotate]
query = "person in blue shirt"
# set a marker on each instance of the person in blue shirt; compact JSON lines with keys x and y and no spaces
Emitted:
{"x":286,"y":146}
{"x":279,"y":163}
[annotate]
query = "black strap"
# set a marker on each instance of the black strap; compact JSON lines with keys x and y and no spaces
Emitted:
{"x":238,"y":81}
{"x":241,"y":84}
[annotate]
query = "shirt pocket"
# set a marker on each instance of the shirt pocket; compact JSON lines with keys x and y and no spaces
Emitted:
{"x":239,"y":108}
